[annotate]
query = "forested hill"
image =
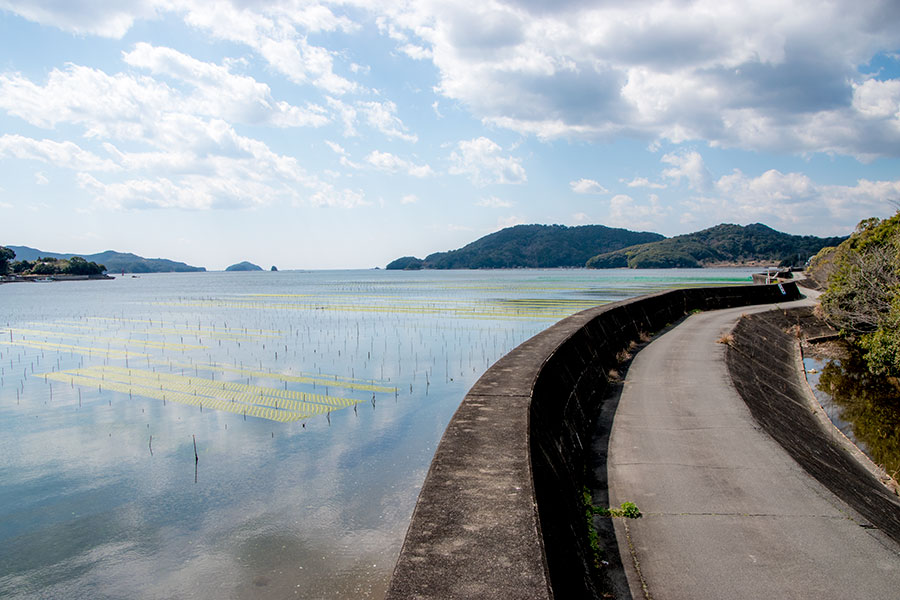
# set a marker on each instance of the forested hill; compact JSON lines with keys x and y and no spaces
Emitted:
{"x":722,"y":244}
{"x":114,"y":261}
{"x":531,"y":246}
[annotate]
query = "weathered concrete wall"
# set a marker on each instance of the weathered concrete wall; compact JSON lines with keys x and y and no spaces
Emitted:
{"x":500,"y":514}
{"x":763,"y":363}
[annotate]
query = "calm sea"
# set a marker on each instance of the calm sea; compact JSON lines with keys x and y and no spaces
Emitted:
{"x":247,"y":435}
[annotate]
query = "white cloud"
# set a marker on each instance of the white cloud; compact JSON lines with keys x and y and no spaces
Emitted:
{"x":481,"y":160}
{"x":581,"y":218}
{"x":40,"y":178}
{"x":409,"y":199}
{"x":878,"y":99}
{"x":344,"y":156}
{"x":644,"y":182}
{"x":346,"y":113}
{"x":328,"y":195}
{"x":790,"y":202}
{"x":148,"y":193}
{"x":390,"y":163}
{"x":182,"y":150}
{"x":416,"y":52}
{"x":727,"y":73}
{"x":494,"y":202}
{"x":380,"y":115}
{"x":85,"y":96}
{"x":587,"y":186}
{"x":219,"y":92}
{"x":688,"y":165}
{"x":63,"y":154}
{"x":126,"y":106}
{"x":104,"y":18}
{"x":278,"y":32}
{"x":337,"y":148}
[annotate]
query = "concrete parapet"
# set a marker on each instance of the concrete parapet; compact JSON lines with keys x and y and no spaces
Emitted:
{"x":500,"y":513}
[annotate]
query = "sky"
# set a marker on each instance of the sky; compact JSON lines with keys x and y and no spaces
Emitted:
{"x":318,"y":135}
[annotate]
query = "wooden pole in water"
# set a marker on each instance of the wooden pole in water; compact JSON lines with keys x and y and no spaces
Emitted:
{"x":196,"y":458}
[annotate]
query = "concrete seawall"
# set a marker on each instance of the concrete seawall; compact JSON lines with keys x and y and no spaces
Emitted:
{"x":500,"y":512}
{"x":764,"y":364}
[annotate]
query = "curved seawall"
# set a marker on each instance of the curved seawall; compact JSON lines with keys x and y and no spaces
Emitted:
{"x":500,"y":514}
{"x":765,"y":365}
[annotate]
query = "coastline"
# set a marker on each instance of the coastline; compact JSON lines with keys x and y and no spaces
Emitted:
{"x":52,"y":278}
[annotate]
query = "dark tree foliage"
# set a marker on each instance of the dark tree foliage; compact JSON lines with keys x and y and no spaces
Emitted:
{"x":54,"y":266}
{"x":532,"y":246}
{"x":6,"y":255}
{"x":724,"y":243}
{"x":79,"y":266}
{"x":405,"y":263}
{"x":863,"y":294}
{"x":22,"y":266}
{"x":44,"y":267}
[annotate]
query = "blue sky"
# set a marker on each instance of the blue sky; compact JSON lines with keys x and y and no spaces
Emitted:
{"x":344,"y":134}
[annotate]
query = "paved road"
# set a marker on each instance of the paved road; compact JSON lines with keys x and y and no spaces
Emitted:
{"x":727,"y":513}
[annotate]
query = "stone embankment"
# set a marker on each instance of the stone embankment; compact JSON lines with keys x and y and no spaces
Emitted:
{"x":500,"y":514}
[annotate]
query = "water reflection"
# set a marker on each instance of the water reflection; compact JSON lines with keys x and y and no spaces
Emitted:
{"x":864,"y":406}
{"x":316,"y":401}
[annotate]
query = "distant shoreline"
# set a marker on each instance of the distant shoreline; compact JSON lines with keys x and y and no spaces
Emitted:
{"x":62,"y":277}
{"x":52,"y":278}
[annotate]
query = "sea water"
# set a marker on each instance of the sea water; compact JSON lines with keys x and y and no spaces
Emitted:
{"x":247,"y":435}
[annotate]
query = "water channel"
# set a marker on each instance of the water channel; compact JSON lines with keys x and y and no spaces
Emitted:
{"x":863,"y":406}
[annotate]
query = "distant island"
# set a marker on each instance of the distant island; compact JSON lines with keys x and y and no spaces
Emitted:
{"x":531,"y":246}
{"x":244,"y":266}
{"x":113,"y":261}
{"x":600,"y":247}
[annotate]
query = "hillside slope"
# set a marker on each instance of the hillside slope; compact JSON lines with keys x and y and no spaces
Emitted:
{"x":722,"y":244}
{"x":114,"y":261}
{"x":531,"y":246}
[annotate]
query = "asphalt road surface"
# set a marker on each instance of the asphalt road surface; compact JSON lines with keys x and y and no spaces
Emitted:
{"x":727,"y":513}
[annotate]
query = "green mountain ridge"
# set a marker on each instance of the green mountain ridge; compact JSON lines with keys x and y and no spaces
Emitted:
{"x":723,"y":244}
{"x":600,"y":247}
{"x":114,"y":261}
{"x":530,"y":246}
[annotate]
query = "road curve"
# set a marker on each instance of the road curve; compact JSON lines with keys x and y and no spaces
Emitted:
{"x":727,"y":513}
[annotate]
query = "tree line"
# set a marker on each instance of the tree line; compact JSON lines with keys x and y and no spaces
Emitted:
{"x":861,"y":277}
{"x":47,"y":266}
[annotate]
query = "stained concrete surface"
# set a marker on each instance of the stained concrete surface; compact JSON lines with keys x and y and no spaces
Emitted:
{"x":727,"y":512}
{"x":500,"y":514}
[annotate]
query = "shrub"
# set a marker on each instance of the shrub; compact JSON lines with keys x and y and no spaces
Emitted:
{"x":863,"y":294}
